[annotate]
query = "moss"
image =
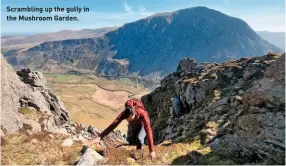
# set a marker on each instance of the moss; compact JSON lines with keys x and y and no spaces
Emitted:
{"x":210,"y":76}
{"x":25,"y":111}
{"x":30,"y":113}
{"x":223,"y":94}
{"x":212,"y":124}
{"x":182,"y":152}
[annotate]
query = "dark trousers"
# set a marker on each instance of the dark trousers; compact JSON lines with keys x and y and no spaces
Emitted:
{"x":136,"y":135}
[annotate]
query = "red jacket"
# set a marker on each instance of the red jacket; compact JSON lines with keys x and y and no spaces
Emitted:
{"x":141,"y":116}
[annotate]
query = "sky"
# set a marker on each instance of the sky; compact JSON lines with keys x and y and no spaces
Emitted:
{"x":261,"y":15}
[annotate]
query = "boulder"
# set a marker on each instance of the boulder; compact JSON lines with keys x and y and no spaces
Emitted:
{"x":35,"y":127}
{"x":67,"y":142}
{"x":35,"y":79}
{"x":91,"y":157}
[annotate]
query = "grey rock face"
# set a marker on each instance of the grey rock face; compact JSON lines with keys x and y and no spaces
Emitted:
{"x":176,"y":106}
{"x":35,"y":79}
{"x":28,"y":91}
{"x":188,"y":66}
{"x":112,"y":67}
{"x":241,"y":109}
{"x":11,"y":88}
{"x":42,"y":96}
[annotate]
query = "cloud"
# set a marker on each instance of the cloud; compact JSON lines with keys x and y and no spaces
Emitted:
{"x":144,"y":12}
{"x":127,"y":8}
{"x":140,"y":11}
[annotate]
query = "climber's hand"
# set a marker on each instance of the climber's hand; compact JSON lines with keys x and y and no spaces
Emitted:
{"x":153,"y":155}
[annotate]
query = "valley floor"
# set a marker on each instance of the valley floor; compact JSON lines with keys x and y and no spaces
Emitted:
{"x":93,"y":100}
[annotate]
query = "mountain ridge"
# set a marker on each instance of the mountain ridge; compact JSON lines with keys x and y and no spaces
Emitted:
{"x":201,"y":33}
{"x":27,"y":41}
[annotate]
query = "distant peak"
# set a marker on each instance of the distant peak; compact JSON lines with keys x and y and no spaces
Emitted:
{"x":190,"y":9}
{"x":198,"y":8}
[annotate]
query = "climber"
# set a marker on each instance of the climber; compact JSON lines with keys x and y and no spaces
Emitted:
{"x":139,"y":122}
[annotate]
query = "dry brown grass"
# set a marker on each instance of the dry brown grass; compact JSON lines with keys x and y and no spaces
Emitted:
{"x":19,"y":149}
{"x":166,"y":154}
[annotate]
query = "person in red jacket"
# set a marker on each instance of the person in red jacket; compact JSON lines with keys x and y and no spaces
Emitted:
{"x":138,"y":119}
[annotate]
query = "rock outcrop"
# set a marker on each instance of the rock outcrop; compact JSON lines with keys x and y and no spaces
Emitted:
{"x":28,"y":104}
{"x":113,"y":67}
{"x":237,"y":106}
{"x":91,"y":157}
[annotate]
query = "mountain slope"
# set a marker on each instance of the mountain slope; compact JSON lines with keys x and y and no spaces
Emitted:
{"x":200,"y":33}
{"x":277,"y":38}
{"x":153,"y":44}
{"x":22,"y":41}
{"x":237,"y":108}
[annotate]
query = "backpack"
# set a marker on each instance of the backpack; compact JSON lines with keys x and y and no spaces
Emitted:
{"x":135,"y":103}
